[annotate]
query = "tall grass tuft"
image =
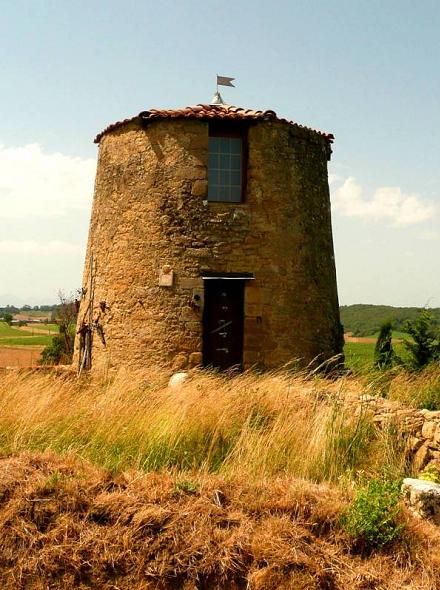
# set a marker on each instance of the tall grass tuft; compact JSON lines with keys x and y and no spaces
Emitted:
{"x":419,"y":390}
{"x":415,"y":389}
{"x":255,"y":426}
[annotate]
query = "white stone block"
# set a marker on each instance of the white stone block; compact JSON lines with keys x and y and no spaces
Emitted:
{"x":423,"y":498}
{"x":177,"y":380}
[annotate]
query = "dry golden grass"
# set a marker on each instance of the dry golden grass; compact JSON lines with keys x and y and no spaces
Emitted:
{"x":250,"y":426}
{"x":413,"y":389}
{"x":419,"y":389}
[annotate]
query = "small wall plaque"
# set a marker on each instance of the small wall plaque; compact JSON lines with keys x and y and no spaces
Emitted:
{"x":166,"y":276}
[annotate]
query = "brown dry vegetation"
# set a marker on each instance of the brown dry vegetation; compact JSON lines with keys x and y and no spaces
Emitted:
{"x":224,"y":483}
{"x":68,"y":525}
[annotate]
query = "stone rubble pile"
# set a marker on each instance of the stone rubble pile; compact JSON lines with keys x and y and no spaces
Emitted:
{"x":421,"y":429}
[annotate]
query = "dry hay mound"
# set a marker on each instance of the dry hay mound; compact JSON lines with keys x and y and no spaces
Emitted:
{"x":66,"y":524}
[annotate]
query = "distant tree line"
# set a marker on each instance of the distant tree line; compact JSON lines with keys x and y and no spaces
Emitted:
{"x":25,"y":308}
{"x":366,"y":320}
{"x":8,"y":310}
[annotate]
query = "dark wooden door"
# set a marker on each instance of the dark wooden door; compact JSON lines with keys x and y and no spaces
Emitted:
{"x":223,"y":323}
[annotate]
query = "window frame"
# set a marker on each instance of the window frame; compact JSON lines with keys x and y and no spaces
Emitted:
{"x":232,"y":129}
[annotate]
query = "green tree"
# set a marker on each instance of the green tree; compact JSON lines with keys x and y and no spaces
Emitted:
{"x":8,"y":317}
{"x":383,"y":352}
{"x":60,"y":351}
{"x":425,"y":346}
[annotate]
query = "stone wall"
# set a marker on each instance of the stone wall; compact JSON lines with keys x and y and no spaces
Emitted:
{"x":150,"y":211}
{"x":421,"y":428}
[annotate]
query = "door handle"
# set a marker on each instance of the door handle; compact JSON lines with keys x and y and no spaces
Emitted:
{"x":221,"y":327}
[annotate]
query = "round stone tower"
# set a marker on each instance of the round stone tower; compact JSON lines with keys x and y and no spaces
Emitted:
{"x":210,"y":243}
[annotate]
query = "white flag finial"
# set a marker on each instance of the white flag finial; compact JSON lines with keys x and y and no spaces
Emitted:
{"x":225,"y":81}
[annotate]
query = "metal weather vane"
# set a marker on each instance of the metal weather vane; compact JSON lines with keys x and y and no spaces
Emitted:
{"x":221,"y":81}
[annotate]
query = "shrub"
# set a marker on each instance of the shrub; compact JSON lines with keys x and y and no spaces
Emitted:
{"x":430,"y":473}
{"x":372,"y":518}
{"x":54,"y":353}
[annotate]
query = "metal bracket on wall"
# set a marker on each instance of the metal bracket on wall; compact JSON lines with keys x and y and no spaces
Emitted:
{"x":197,"y":300}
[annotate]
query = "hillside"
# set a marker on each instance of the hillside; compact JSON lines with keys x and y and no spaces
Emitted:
{"x":365,"y":320}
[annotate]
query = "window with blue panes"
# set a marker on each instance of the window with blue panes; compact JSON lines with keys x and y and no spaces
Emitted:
{"x":225,"y":169}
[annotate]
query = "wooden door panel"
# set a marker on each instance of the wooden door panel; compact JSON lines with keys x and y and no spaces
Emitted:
{"x":223,"y":323}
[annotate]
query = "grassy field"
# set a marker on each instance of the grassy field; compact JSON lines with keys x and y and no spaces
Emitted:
{"x":26,"y":341}
{"x":359,"y":356}
{"x":7,"y":331}
{"x":14,"y":336}
{"x":23,"y":356}
{"x":19,"y":347}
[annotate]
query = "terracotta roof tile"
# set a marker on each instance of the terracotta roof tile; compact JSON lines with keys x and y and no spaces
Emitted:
{"x":204,"y":111}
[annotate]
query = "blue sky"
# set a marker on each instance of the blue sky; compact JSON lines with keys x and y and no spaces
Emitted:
{"x":368,"y":71}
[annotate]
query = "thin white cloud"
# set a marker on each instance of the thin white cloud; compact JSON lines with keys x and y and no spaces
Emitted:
{"x":39,"y":184}
{"x":387,"y":204}
{"x":332,"y":178}
{"x":52,"y":248}
{"x":429,"y":236}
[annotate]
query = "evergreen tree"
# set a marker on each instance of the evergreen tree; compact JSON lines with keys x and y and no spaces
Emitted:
{"x":425,"y":346}
{"x":383,"y":352}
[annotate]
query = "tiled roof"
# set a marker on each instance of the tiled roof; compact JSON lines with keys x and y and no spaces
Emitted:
{"x":206,"y":112}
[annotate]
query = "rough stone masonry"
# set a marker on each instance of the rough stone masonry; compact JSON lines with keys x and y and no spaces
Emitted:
{"x":154,"y":236}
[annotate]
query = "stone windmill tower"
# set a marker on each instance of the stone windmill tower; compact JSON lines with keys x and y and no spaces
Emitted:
{"x":210,"y":243}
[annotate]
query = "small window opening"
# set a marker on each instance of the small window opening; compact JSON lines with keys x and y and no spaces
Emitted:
{"x":226,"y":164}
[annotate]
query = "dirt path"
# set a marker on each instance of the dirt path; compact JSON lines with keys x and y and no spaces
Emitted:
{"x":38,"y":330}
{"x":366,"y":340}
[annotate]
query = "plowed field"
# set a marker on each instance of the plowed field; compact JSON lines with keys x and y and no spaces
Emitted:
{"x":25,"y":356}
